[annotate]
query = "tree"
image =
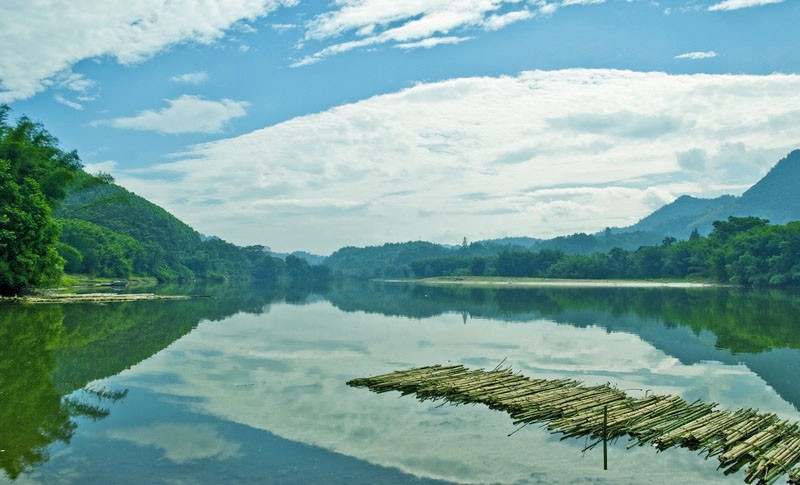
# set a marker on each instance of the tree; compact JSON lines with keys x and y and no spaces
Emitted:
{"x":33,"y":153}
{"x":28,"y":235}
{"x":34,"y":174}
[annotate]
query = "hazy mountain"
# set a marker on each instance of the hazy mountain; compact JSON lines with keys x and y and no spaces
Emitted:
{"x":775,"y":197}
{"x":684,"y":214}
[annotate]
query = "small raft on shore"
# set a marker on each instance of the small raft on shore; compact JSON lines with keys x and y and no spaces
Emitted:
{"x":768,"y":446}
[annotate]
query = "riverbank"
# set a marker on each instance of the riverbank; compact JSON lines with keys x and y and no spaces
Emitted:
{"x":95,"y":297}
{"x":87,"y":289}
{"x":489,"y":281}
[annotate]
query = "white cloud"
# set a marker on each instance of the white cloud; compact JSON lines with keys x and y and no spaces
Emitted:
{"x":180,"y":442}
{"x":198,"y":77}
{"x":374,"y":22}
{"x":737,"y":4}
{"x":283,"y":27}
{"x":697,"y":55}
{"x":403,"y":165}
{"x":186,"y":114}
{"x":497,"y":22}
{"x":40,"y":38}
{"x":71,"y":80}
{"x":432,"y":42}
{"x":581,"y":2}
{"x":107,"y":166}
{"x":66,"y":102}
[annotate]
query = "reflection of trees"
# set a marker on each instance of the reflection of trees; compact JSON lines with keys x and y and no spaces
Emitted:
{"x":49,"y":351}
{"x":32,"y":411}
{"x":744,"y":321}
{"x":103,"y":340}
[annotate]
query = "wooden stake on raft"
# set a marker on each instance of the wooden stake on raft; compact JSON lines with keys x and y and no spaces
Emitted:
{"x":605,"y":437}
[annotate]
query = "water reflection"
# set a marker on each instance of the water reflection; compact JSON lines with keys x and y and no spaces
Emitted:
{"x":265,"y":363}
{"x":49,"y":351}
{"x":757,"y":328}
{"x":743,"y":320}
{"x":33,"y":413}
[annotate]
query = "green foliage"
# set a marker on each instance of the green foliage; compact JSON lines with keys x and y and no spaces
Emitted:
{"x":92,"y":249}
{"x":28,"y":235}
{"x":33,"y":153}
{"x":119,"y":234}
{"x":744,"y":250}
{"x":34,"y":175}
{"x":391,"y":260}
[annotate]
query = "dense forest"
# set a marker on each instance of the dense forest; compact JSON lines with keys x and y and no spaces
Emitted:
{"x":56,"y":217}
{"x":741,"y":250}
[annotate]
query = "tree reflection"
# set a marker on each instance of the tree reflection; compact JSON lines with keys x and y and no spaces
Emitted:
{"x":47,"y":352}
{"x":743,"y":320}
{"x":33,"y":412}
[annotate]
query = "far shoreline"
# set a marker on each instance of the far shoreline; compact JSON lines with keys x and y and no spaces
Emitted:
{"x":509,"y":282}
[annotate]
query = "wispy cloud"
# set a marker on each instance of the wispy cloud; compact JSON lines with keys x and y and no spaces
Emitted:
{"x":432,"y":42}
{"x":418,"y":24}
{"x":72,"y":104}
{"x":697,"y":55}
{"x":186,"y":114}
{"x":306,"y":178}
{"x":198,"y":77}
{"x":41,"y":38}
{"x":283,"y":27}
{"x":737,"y":4}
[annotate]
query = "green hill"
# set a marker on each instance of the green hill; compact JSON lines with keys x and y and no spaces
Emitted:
{"x":117,"y":233}
{"x":108,"y":231}
{"x":54,"y":216}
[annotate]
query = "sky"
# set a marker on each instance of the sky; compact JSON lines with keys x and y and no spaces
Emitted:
{"x":313,"y":125}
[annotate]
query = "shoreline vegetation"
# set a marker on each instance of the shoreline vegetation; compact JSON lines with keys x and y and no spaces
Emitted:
{"x":95,"y":297}
{"x":70,"y":287}
{"x":477,"y":281}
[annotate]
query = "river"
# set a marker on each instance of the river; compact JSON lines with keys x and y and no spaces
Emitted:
{"x":248,"y":386}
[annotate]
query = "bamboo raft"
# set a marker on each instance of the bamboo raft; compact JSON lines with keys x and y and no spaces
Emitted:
{"x":768,"y":446}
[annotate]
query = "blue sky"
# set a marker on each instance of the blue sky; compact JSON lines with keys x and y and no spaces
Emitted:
{"x":314,"y":125}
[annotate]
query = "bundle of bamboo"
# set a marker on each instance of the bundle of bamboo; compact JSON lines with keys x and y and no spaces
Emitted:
{"x":767,"y":446}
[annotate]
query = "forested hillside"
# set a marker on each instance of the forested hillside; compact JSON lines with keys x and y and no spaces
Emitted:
{"x":746,"y":251}
{"x":396,"y":260}
{"x":54,"y":216}
{"x":108,"y":231}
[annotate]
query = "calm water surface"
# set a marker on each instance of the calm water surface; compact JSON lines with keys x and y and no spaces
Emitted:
{"x":249,"y":385}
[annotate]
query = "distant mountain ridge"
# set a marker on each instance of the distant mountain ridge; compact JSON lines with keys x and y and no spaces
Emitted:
{"x":775,"y":197}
